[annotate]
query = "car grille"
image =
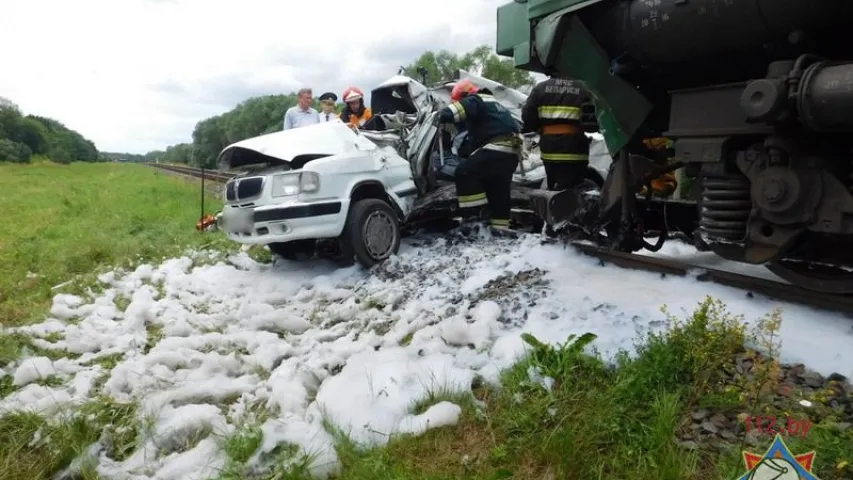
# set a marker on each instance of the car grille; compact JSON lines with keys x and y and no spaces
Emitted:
{"x":243,"y":188}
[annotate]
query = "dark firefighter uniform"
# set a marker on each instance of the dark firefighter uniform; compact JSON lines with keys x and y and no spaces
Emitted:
{"x":485,"y":177}
{"x":553,"y":109}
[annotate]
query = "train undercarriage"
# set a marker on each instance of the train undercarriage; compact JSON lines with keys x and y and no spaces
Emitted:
{"x":761,"y":117}
{"x":772,"y":196}
{"x":790,"y":212}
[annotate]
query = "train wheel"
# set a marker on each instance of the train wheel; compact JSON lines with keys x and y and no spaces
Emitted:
{"x":816,"y":277}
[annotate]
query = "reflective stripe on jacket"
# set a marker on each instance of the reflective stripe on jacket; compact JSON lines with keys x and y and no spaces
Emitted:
{"x":354,"y":119}
{"x":484,"y":117}
{"x":555,"y":106}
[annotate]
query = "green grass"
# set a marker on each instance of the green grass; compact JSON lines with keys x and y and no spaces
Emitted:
{"x":34,"y":448}
{"x":596,"y":422}
{"x":600,"y":421}
{"x":64,"y":221}
{"x":63,"y":225}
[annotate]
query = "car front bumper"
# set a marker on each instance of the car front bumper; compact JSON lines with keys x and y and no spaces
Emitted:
{"x":284,"y":223}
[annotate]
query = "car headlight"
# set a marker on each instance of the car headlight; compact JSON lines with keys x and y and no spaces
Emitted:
{"x":293,"y":184}
{"x":309,"y":182}
{"x":285,"y":185}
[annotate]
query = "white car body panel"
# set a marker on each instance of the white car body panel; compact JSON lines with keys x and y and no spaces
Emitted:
{"x":393,"y":159}
{"x":352,"y":160}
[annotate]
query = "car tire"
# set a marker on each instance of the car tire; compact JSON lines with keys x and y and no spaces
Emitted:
{"x":297,"y":250}
{"x":371,"y":234}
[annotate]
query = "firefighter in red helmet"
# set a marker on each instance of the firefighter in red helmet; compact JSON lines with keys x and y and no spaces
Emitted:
{"x":485,"y":177}
{"x":355,"y":113}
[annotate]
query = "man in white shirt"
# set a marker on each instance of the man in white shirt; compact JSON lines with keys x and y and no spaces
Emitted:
{"x":302,"y":114}
{"x":328,"y":114}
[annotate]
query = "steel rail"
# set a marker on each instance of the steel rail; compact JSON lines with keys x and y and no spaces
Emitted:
{"x":755,"y":285}
{"x":215,"y":175}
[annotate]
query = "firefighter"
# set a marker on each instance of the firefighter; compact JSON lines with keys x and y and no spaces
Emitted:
{"x":485,"y":177}
{"x":553,"y":109}
{"x":355,"y":113}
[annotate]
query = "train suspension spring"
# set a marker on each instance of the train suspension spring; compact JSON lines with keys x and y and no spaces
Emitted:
{"x":725,"y":207}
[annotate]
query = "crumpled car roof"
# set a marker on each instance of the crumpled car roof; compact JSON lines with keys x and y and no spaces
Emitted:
{"x":510,"y":98}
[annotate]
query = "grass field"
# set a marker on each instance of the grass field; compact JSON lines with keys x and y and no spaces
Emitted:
{"x":617,"y":422}
{"x":61,"y":221}
{"x":64,"y":222}
{"x":593,"y":422}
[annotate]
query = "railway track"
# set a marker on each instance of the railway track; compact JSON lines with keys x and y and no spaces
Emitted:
{"x":752,"y":285}
{"x":214,"y":175}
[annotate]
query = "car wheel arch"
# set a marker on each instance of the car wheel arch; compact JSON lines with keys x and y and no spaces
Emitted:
{"x":374,"y":189}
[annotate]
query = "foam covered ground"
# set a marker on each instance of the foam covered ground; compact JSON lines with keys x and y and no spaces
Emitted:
{"x":203,"y":346}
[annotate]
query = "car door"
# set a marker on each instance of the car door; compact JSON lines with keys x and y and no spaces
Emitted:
{"x":420,"y":149}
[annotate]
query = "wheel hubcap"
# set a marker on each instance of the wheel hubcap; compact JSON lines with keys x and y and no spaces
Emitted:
{"x":379,"y":235}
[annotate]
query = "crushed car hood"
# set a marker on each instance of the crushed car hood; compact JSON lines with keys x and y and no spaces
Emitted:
{"x":282,"y":147}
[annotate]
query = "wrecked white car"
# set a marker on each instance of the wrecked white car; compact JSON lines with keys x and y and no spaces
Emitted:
{"x":348,"y":194}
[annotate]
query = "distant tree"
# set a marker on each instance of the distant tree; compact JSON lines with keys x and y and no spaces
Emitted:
{"x":24,"y":136}
{"x":14,"y":152}
{"x":482,"y":61}
{"x":253,"y":117}
{"x":265,"y":114}
{"x":6,"y":103}
{"x":65,"y":145}
{"x":257,"y":116}
{"x":11,"y":128}
{"x":35,"y":135}
{"x":10,"y":121}
{"x":180,"y":153}
{"x":153,"y":156}
{"x":121,"y":157}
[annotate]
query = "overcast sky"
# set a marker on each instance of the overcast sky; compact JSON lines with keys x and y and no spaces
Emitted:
{"x":136,"y":75}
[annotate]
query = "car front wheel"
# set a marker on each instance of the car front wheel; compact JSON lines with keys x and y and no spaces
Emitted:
{"x":372,"y":232}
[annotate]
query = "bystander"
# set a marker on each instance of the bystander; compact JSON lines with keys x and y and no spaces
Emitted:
{"x":303,"y":113}
{"x":329,"y":113}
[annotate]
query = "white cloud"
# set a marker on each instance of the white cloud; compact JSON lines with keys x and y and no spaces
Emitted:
{"x":136,"y":75}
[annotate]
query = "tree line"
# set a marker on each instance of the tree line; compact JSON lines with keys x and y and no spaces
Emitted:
{"x":264,"y":114}
{"x":24,"y":136}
